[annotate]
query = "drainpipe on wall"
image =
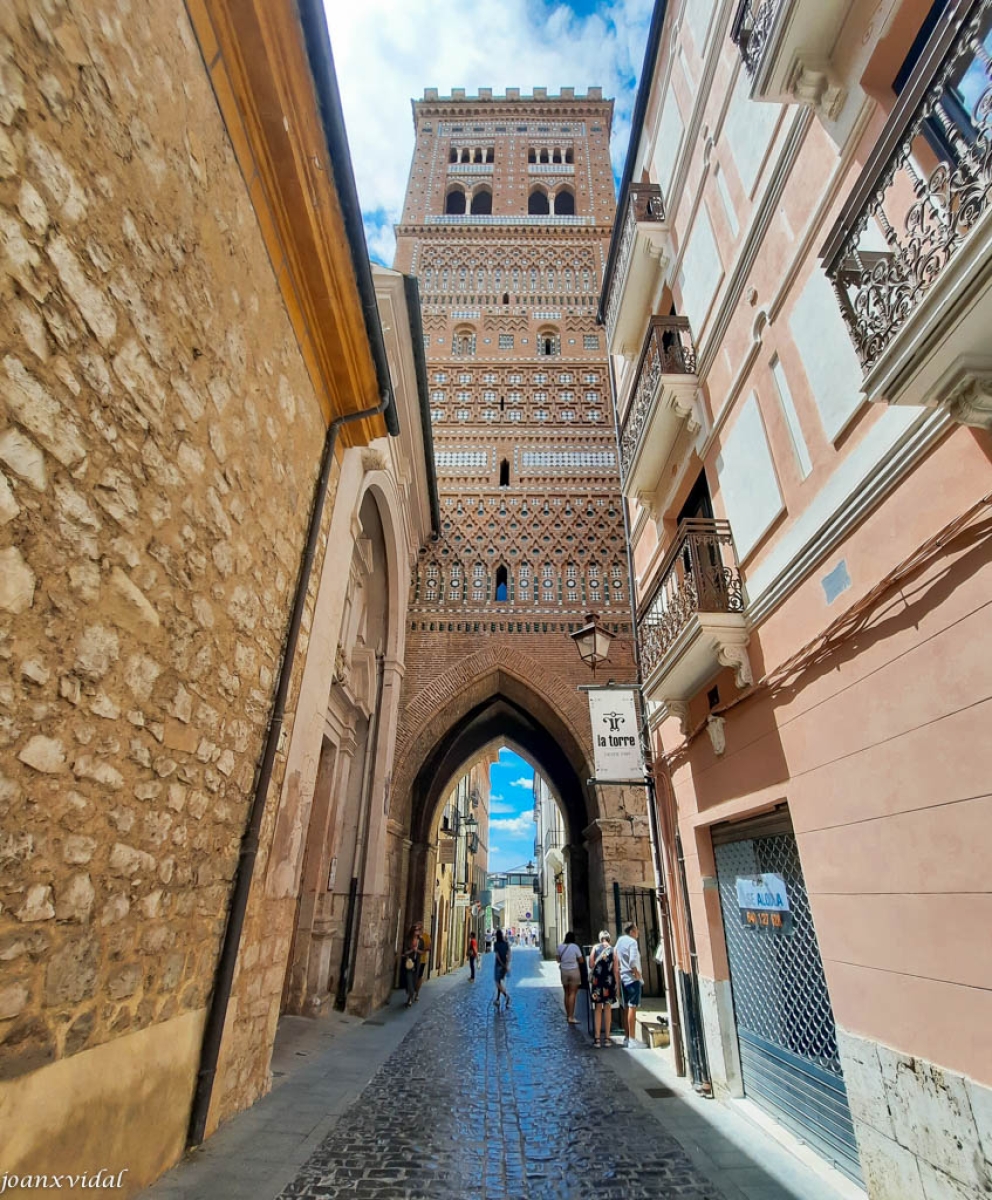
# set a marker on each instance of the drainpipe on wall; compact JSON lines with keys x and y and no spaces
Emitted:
{"x":213,"y":1030}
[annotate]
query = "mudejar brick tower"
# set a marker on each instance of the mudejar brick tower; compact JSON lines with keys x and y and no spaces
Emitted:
{"x":506,"y":225}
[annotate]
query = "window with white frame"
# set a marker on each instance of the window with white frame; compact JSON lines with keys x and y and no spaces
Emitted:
{"x":465,"y":377}
{"x":540,"y":377}
{"x":462,"y":414}
{"x":514,"y":397}
{"x":590,"y":341}
{"x":489,"y":377}
{"x":490,"y":414}
{"x":514,"y":414}
{"x":592,"y":397}
{"x":540,"y":414}
{"x":568,"y":414}
{"x":489,"y":397}
{"x":594,"y":414}
{"x":514,"y":379}
{"x":463,"y":397}
{"x":590,"y":378}
{"x":440,"y":377}
{"x":566,"y":397}
{"x":540,"y":397}
{"x":565,"y":378}
{"x":506,"y":341}
{"x":437,"y":414}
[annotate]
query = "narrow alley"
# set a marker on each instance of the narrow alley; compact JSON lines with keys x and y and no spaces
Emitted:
{"x":463,"y":1103}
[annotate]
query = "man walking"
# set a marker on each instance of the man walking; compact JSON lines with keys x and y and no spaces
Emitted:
{"x":424,"y":956}
{"x":628,"y":961}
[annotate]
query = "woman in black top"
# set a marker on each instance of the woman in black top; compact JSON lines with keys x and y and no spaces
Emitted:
{"x":501,"y":968}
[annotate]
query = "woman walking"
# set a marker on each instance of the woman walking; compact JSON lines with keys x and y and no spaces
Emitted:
{"x":602,"y":987}
{"x":411,"y":963}
{"x":501,"y":968}
{"x":473,"y":954}
{"x":569,"y":957}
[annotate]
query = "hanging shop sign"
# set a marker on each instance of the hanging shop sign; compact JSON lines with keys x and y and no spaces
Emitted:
{"x":764,"y":902}
{"x":615,"y":738}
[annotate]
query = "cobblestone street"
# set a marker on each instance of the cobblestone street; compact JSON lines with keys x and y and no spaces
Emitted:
{"x":514,"y":1105}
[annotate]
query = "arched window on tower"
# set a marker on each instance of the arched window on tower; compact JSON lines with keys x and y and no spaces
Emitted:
{"x":454,"y":202}
{"x":547,"y":342}
{"x":502,"y":585}
{"x":532,"y":155}
{"x":478,"y":156}
{"x":453,"y":155}
{"x":482,"y":202}
{"x":537,"y":203}
{"x":545,"y":157}
{"x":504,"y":471}
{"x":569,"y":156}
{"x":565,"y":203}
{"x":556,"y":156}
{"x":466,"y":155}
{"x":490,"y":155}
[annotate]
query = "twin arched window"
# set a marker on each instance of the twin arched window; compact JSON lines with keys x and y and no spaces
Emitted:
{"x":454,"y":202}
{"x":539,"y":203}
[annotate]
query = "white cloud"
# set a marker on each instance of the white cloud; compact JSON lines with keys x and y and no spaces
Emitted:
{"x":501,"y":806}
{"x":525,"y":781}
{"x":518,"y":826}
{"x":388,"y":51}
{"x":495,"y":850}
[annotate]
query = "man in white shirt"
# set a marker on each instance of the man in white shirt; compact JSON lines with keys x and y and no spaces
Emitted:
{"x":628,"y":959}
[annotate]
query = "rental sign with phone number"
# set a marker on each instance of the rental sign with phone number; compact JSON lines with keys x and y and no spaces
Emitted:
{"x":764,"y":902}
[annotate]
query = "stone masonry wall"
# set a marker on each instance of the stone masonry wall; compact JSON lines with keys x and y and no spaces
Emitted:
{"x":159,"y":440}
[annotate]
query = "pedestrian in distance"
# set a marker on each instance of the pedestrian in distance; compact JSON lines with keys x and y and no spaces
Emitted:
{"x":628,"y":955}
{"x":501,"y":968}
{"x":489,"y":941}
{"x":423,"y":958}
{"x":569,"y":957}
{"x":473,"y":954}
{"x":411,"y":963}
{"x":603,"y":986}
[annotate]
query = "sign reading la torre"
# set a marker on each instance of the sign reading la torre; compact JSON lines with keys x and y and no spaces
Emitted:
{"x":616,"y":744}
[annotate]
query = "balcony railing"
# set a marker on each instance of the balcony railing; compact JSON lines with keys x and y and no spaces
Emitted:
{"x":750,"y":29}
{"x":668,"y":350}
{"x":644,"y":204}
{"x":907,"y":219}
{"x":552,"y":841}
{"x":700,"y":574}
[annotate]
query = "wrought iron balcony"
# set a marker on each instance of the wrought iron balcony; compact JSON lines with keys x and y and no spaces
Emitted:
{"x":750,"y":28}
{"x":787,"y":49}
{"x":908,"y":257}
{"x":662,"y":403}
{"x":693,"y":622}
{"x":643,"y":237}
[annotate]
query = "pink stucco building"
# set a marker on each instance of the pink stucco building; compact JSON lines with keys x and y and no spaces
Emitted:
{"x":798,"y":308}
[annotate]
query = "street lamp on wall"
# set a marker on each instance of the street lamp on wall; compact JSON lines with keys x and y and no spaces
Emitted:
{"x":592,"y":641}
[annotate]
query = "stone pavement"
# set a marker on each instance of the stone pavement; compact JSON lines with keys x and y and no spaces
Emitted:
{"x":468,"y":1104}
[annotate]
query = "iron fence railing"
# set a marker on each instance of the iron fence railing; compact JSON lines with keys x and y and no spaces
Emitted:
{"x":700,"y":574}
{"x":668,"y":350}
{"x":925,"y":187}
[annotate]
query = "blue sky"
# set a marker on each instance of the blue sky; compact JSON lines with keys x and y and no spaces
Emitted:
{"x":511,"y":811}
{"x":387,"y":51}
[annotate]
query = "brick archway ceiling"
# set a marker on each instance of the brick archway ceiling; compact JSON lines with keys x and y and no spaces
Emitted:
{"x":500,"y":718}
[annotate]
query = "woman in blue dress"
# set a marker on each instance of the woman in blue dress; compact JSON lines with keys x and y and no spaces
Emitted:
{"x":501,"y":967}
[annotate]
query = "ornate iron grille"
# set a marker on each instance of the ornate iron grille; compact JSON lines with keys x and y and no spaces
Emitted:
{"x":749,"y":32}
{"x":645,"y":204}
{"x":880,"y":273}
{"x":780,"y":992}
{"x":700,"y":574}
{"x":668,"y":350}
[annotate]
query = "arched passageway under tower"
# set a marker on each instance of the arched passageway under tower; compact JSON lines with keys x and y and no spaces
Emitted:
{"x":502,"y":718}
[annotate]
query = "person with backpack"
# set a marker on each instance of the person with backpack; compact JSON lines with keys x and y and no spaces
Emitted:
{"x":603,"y":987}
